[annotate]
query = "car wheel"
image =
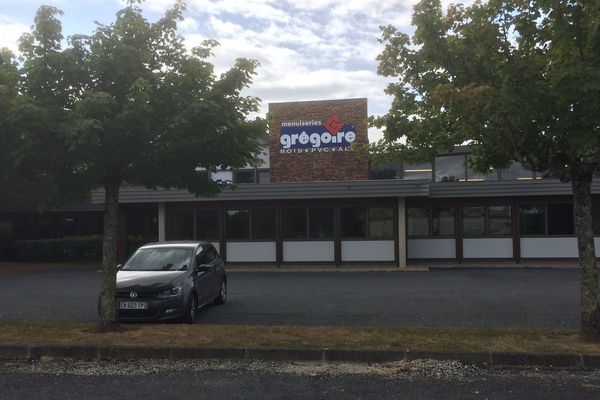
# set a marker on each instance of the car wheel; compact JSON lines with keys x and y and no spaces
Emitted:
{"x":190,"y":315}
{"x":222,"y":297}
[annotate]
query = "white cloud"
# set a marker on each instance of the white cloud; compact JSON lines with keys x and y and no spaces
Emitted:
{"x":188,"y":25}
{"x":10,"y":31}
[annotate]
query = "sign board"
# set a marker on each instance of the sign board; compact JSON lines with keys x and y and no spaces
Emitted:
{"x":314,"y":136}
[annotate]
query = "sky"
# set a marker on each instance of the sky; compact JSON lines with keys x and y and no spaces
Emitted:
{"x":307,"y":49}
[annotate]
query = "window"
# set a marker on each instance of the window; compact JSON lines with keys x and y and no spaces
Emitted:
{"x":418,"y":221}
{"x":320,"y":222}
{"x":472,"y":175}
{"x":516,"y":171}
{"x":263,"y":223}
{"x":499,"y":220}
{"x":354,"y":224}
{"x":264,"y":177}
{"x":532,"y":219}
{"x":294,"y":223}
{"x":182,"y":225}
{"x":207,"y":224}
{"x":381,"y":222}
{"x":205,"y":255}
{"x":450,"y":168}
{"x":238,"y":224}
{"x":560,"y":219}
{"x":416,"y":171}
{"x":223,"y":176}
{"x":244,"y":176}
{"x":389,"y":171}
{"x":474,"y":221}
{"x":442,"y":221}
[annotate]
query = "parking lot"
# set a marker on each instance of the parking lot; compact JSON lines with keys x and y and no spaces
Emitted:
{"x":457,"y":298}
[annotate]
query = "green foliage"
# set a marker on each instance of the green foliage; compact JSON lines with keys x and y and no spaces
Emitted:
{"x":75,"y":248}
{"x":519,"y":80}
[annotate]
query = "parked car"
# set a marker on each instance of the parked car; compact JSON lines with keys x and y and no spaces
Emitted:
{"x":170,"y":280}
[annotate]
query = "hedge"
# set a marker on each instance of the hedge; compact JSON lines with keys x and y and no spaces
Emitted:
{"x":75,"y":248}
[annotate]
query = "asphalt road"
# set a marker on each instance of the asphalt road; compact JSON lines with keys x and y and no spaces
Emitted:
{"x":423,"y":380}
{"x":460,"y":298}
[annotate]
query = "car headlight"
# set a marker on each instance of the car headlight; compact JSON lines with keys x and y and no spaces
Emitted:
{"x":173,"y":292}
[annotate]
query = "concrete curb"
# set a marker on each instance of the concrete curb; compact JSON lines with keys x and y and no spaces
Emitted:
{"x":331,"y":355}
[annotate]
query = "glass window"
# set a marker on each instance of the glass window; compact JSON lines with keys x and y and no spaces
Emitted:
{"x":596,"y":218}
{"x":67,"y":225}
{"x":560,"y":219}
{"x":320,"y":221}
{"x":182,"y":225}
{"x":353,"y":222}
{"x":381,"y":222}
{"x":442,"y":223}
{"x":472,"y":175}
{"x":499,"y":220}
{"x":224,"y":176}
{"x":416,"y":171}
{"x":238,"y":224}
{"x":418,"y":221}
{"x":207,"y":224}
{"x":474,"y":221}
{"x":91,"y":224}
{"x":160,"y":259}
{"x":532,"y":219}
{"x":450,"y":168}
{"x":244,"y":176}
{"x":294,"y":223}
{"x":263,"y":223}
{"x":264,"y":177}
{"x":516,"y":171}
{"x":389,"y":171}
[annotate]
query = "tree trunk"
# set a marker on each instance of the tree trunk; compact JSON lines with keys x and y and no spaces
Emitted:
{"x":108,"y":309}
{"x":590,"y":291}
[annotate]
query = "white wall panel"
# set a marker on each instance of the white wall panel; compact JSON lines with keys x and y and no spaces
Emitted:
{"x":368,"y":250}
{"x":487,"y":248}
{"x":549,"y":247}
{"x":431,"y":248}
{"x":251,"y":251}
{"x":308,"y":251}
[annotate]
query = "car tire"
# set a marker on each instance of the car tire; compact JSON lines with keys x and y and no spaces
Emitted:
{"x":192,"y":307}
{"x":222,"y":297}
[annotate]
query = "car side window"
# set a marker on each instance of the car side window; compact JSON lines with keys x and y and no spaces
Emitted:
{"x":200,"y":255}
{"x":205,"y":255}
{"x":211,"y":255}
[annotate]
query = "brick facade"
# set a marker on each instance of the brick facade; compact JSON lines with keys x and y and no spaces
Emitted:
{"x":318,"y":166}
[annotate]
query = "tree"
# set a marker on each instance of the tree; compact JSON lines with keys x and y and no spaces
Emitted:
{"x":134,"y":106}
{"x":518,"y":80}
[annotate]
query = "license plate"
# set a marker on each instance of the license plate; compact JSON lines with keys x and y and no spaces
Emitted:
{"x":133,"y":305}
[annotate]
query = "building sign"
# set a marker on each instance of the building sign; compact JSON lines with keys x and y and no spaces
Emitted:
{"x":315,"y":136}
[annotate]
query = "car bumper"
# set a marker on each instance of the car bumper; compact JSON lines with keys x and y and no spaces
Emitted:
{"x":157,"y":310}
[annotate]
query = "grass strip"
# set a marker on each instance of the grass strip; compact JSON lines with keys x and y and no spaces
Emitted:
{"x":299,"y":337}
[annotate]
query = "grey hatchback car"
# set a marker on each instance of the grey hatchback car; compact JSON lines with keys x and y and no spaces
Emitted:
{"x":170,"y":280}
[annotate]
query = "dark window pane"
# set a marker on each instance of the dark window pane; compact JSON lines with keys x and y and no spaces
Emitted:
{"x":500,"y":220}
{"x":474,"y":221}
{"x":244,"y":176}
{"x":450,"y":168}
{"x":238,"y":224}
{"x":263,"y":223}
{"x":532,"y":219}
{"x":67,"y":226}
{"x":294,"y":223}
{"x":417,"y":171}
{"x":381,"y":222}
{"x":390,"y":171}
{"x":182,"y":225}
{"x":320,"y":223}
{"x":207,"y":224}
{"x":472,"y":175}
{"x":353,"y":222}
{"x":264,"y":176}
{"x":596,"y":218}
{"x":442,"y":223}
{"x":418,"y":221}
{"x":560,"y":219}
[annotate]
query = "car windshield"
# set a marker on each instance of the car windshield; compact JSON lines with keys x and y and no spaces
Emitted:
{"x":159,"y":259}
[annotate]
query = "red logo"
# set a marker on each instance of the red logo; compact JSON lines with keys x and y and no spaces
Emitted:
{"x":333,"y":125}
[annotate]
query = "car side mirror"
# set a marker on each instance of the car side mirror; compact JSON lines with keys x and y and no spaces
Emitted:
{"x":203,"y":268}
{"x":119,"y":266}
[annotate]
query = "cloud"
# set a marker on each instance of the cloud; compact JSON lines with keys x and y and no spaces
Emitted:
{"x":10,"y":31}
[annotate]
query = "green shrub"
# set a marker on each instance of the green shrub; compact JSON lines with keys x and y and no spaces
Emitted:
{"x":74,"y":248}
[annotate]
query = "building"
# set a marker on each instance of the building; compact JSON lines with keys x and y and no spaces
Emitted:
{"x":313,"y":200}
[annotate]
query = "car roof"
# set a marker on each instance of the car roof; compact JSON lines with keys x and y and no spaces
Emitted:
{"x":187,"y":244}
